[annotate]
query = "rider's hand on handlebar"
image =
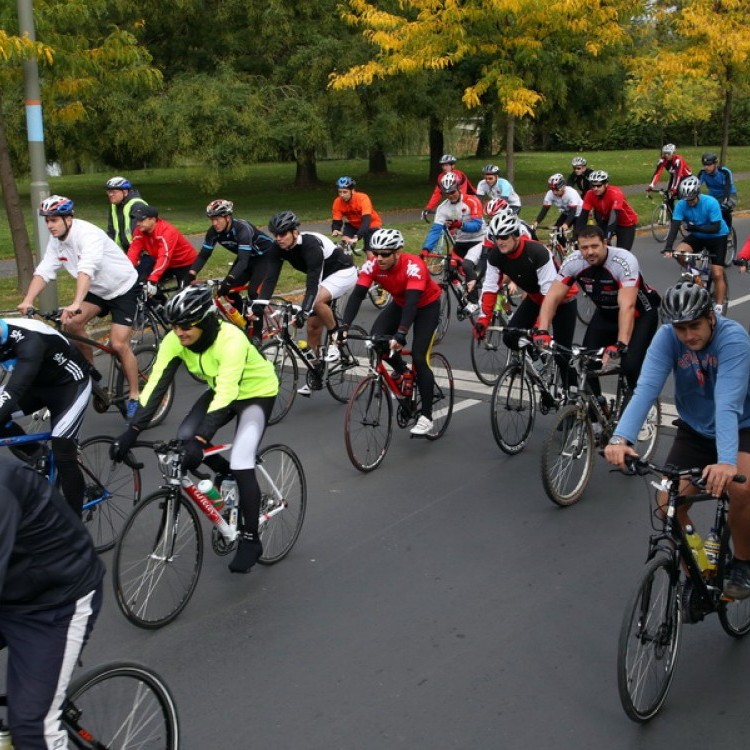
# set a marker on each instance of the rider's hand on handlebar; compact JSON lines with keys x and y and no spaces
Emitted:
{"x":542,"y":339}
{"x":426,"y":214}
{"x":193,"y":456}
{"x":615,"y":454}
{"x":480,"y":327}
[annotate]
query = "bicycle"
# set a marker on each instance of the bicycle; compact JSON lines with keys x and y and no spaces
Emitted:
{"x":339,"y":377}
{"x":568,"y":449}
{"x":489,"y":355}
{"x":696,"y":267}
{"x":444,"y":249}
{"x":159,"y":555}
{"x":119,"y":705}
{"x":649,"y":640}
{"x":368,"y":424}
{"x":661,"y":216}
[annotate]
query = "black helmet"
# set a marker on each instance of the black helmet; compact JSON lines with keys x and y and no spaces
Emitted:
{"x":709,"y":158}
{"x":684,"y":302}
{"x":283,"y":222}
{"x":189,"y":306}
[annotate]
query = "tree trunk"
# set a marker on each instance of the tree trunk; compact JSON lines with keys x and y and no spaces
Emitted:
{"x":436,"y":147}
{"x":510,"y":130}
{"x":307,"y":169}
{"x":725,"y":120}
{"x":484,"y":142}
{"x":377,"y":162}
{"x":12,"y":201}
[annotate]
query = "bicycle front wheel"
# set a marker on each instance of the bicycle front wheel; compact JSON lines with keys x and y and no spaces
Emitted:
{"x":649,"y":640}
{"x":568,"y":457}
{"x":512,"y":410}
{"x":444,"y":316}
{"x":368,"y":424}
{"x":490,"y":355}
{"x":146,"y":329}
{"x":353,"y":364}
{"x":124,"y":706}
{"x":144,"y":354}
{"x":111,"y":491}
{"x":283,"y":501}
{"x":585,"y":308}
{"x":158,"y":560}
{"x":734,"y":615}
{"x":648,"y":435}
{"x":660,"y":220}
{"x":287,"y":371}
{"x":378,"y":296}
{"x":443,"y":395}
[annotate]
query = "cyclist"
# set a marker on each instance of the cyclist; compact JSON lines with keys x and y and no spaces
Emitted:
{"x":613,"y":214}
{"x":720,"y":183}
{"x":678,"y":170}
{"x":46,"y":370}
{"x":354,"y":217}
{"x":579,"y":177}
{"x":50,"y":596}
{"x":701,"y":215}
{"x":415,"y":302}
{"x":492,"y":186}
{"x":627,"y":309}
{"x":241,"y":384}
{"x":564,"y":197}
{"x":330,"y":271}
{"x":123,"y":197}
{"x":106,"y":282}
{"x":447,"y":166}
{"x":709,"y":358}
{"x":159,"y":250}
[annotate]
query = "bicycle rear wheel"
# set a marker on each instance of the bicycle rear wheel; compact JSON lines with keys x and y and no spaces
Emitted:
{"x":112,"y":491}
{"x":443,"y":395}
{"x":568,"y":457}
{"x":444,"y":316}
{"x":490,"y":355}
{"x":144,"y":354}
{"x":283,"y":501}
{"x":734,"y":615}
{"x":661,"y":218}
{"x":731,"y":253}
{"x":124,"y":706}
{"x":368,"y":424}
{"x":287,"y":371}
{"x":353,"y":364}
{"x":512,"y":410}
{"x":158,"y":560}
{"x":649,"y":640}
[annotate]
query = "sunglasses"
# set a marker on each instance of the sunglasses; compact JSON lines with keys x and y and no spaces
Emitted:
{"x":185,"y":326}
{"x":501,"y":236}
{"x":382,"y":253}
{"x":598,"y":184}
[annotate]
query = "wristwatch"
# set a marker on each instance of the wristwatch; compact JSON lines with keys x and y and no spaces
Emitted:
{"x":617,"y":440}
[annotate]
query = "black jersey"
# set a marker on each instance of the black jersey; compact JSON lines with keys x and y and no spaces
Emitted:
{"x":242,"y":238}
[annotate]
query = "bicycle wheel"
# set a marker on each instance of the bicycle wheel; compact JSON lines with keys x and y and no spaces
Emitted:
{"x":368,"y":424}
{"x":112,"y":490}
{"x":649,"y":640}
{"x":287,"y":371}
{"x":444,"y":319}
{"x":661,"y":218}
{"x":124,"y":706}
{"x":436,"y":260}
{"x":352,"y":366}
{"x":378,"y":296}
{"x":585,"y":308}
{"x":568,"y":457}
{"x":731,"y":248}
{"x":146,"y":328}
{"x":490,"y":355}
{"x":283,"y":501}
{"x":144,"y":355}
{"x":512,"y":410}
{"x":648,"y":435}
{"x":443,"y":395}
{"x":158,"y":559}
{"x":734,"y":615}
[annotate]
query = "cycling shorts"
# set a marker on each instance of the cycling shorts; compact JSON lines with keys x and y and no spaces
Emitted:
{"x":341,"y":282}
{"x":691,"y":449}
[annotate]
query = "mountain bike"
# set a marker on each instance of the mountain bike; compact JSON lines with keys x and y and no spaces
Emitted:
{"x":585,"y":424}
{"x":119,"y":705}
{"x":671,"y":590}
{"x":159,"y":555}
{"x":368,"y":425}
{"x":696,"y":267}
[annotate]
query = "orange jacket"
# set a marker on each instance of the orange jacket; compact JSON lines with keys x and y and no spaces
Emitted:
{"x":352,"y":212}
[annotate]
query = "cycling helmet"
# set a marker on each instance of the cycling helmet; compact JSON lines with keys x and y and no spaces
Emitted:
{"x":448,"y":159}
{"x":578,"y":161}
{"x":556,"y":181}
{"x":386,"y":239}
{"x":495,"y":205}
{"x":118,"y":183}
{"x":668,"y":149}
{"x":449,"y":183}
{"x":690,"y":187}
{"x":598,"y":177}
{"x":709,"y":158}
{"x":345,"y":183}
{"x":684,"y":302}
{"x":219,"y":207}
{"x":504,"y":223}
{"x":191,"y":305}
{"x":56,"y":205}
{"x":143,"y":211}
{"x":491,"y":169}
{"x":283,"y":222}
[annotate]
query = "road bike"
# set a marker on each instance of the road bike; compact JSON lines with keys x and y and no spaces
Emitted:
{"x":444,"y":249}
{"x":119,"y":705}
{"x":671,"y":590}
{"x":586,"y":423}
{"x":159,"y":555}
{"x":696,"y":267}
{"x":661,"y":216}
{"x":368,"y":425}
{"x":489,"y":355}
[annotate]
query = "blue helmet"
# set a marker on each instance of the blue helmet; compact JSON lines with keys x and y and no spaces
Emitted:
{"x":56,"y":205}
{"x":345,"y":183}
{"x":118,"y":183}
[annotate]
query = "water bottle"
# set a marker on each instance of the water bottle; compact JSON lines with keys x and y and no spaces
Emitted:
{"x":307,"y":351}
{"x":235,"y":316}
{"x":696,"y":545}
{"x":711,"y":547}
{"x":230,"y":492}
{"x":206,"y":486}
{"x":5,"y":741}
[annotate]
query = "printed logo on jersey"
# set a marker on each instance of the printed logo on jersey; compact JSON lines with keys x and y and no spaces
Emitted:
{"x":413,"y":271}
{"x":368,"y":266}
{"x":17,"y":335}
{"x":4,"y":396}
{"x":623,"y":263}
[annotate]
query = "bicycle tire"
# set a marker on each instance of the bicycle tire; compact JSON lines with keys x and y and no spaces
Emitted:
{"x":648,"y":435}
{"x":287,"y":371}
{"x":512,"y":410}
{"x":490,"y":356}
{"x":368,"y":424}
{"x":568,"y":454}
{"x":731,"y":253}
{"x":121,"y":705}
{"x":734,"y":615}
{"x":278,"y":468}
{"x":146,"y":329}
{"x":442,"y":250}
{"x":444,"y":316}
{"x":661,"y":218}
{"x":353,"y":364}
{"x":443,"y":395}
{"x":144,"y":355}
{"x":158,"y":556}
{"x":112,"y":490}
{"x":649,"y":641}
{"x":585,"y":308}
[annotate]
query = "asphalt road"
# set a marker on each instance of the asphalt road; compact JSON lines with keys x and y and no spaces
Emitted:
{"x":440,"y":602}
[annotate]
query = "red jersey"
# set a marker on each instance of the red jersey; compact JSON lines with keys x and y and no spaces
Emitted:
{"x":165,"y":243}
{"x":464,"y":186}
{"x":678,"y":170}
{"x":409,"y":272}
{"x":612,"y":199}
{"x":353,"y":210}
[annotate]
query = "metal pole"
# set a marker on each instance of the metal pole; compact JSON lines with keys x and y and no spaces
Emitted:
{"x":39,"y":187}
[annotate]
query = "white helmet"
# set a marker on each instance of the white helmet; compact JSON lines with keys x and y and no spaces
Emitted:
{"x":386,"y":239}
{"x":505,"y":222}
{"x":449,"y":182}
